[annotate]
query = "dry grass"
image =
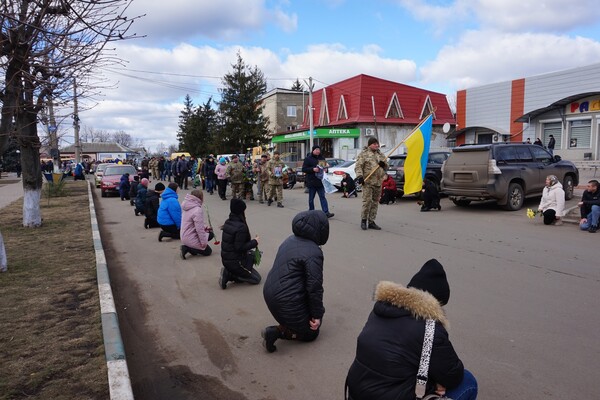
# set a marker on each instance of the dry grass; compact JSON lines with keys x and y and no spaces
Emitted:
{"x":51,"y":343}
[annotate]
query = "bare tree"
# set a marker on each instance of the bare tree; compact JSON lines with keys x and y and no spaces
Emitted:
{"x":45,"y":47}
{"x":91,"y":135}
{"x":123,"y":138}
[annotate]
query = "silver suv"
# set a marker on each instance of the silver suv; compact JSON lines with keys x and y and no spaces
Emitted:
{"x":505,"y":172}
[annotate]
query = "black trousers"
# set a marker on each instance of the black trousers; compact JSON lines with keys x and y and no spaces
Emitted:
{"x":388,"y":196}
{"x":222,"y":187}
{"x":171,"y":231}
{"x":549,"y":216}
{"x":151,"y":222}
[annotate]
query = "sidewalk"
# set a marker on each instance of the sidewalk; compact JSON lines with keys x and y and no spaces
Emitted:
{"x":11,"y":189}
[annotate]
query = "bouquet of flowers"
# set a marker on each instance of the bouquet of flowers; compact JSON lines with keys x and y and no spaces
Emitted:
{"x":531,"y":213}
{"x":257,"y":256}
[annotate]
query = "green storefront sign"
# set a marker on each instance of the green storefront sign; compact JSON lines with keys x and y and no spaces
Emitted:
{"x":321,"y":133}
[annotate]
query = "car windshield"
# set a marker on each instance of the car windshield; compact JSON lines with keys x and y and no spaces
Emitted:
{"x":346,"y":164}
{"x":101,"y":167}
{"x":119,"y":170}
{"x":396,"y":162}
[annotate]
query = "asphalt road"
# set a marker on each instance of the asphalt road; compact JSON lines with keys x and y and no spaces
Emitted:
{"x":523,"y":307}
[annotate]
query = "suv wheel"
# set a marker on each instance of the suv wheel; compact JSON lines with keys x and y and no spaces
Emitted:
{"x":568,"y":187}
{"x":461,"y":203}
{"x":515,"y":197}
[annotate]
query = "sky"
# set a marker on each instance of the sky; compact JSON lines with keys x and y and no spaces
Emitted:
{"x":439,"y":45}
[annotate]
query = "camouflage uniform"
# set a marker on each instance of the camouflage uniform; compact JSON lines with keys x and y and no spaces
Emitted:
{"x":249,"y":181}
{"x":235,"y":174}
{"x":263,"y":181}
{"x":153,"y":164}
{"x":275,"y":171}
{"x":367,"y":161}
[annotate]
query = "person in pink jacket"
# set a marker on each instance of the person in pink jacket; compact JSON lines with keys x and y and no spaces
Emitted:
{"x":194,"y":234}
{"x":221,"y":172}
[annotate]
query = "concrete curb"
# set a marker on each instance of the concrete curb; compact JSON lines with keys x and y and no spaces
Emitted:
{"x":119,"y":383}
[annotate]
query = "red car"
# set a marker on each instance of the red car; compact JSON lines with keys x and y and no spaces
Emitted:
{"x":112,"y":177}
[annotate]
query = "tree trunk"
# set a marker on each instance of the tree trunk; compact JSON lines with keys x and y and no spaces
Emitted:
{"x":32,"y":174}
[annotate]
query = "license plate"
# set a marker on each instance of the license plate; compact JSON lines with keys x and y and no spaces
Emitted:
{"x":391,"y":173}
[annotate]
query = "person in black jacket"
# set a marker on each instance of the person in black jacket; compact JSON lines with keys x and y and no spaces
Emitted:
{"x":313,"y":175}
{"x":133,"y":189}
{"x":140,"y":198}
{"x":151,"y":206}
{"x":389,"y":347}
{"x":293,"y":290}
{"x":236,"y":244}
{"x":348,"y":186}
{"x":590,"y":207}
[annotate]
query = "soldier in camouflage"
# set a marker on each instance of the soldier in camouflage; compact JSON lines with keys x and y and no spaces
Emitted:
{"x":370,"y":160}
{"x":235,"y":174}
{"x":262,"y":174}
{"x":275,"y":170}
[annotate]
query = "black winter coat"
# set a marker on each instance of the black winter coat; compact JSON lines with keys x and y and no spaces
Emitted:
{"x":235,"y":244}
{"x":389,"y":347}
{"x":589,"y":199}
{"x":311,"y":180}
{"x":293,"y":290}
{"x":152,"y":203}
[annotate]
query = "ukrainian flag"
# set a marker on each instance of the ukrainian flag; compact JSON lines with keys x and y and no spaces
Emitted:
{"x":417,"y":147}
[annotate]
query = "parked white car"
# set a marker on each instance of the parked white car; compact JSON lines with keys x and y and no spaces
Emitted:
{"x":336,"y":174}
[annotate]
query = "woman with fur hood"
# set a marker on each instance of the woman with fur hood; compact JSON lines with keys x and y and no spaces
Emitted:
{"x":294,"y":287}
{"x":552,"y":204}
{"x":389,"y":347}
{"x":194,"y":234}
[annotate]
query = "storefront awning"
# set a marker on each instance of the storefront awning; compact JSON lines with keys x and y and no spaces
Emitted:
{"x":320,"y":133}
{"x":554,"y":106}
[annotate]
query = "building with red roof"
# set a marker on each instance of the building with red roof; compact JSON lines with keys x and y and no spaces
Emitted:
{"x":347,"y":113}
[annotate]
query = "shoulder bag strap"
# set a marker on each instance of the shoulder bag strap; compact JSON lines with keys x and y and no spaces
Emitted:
{"x":425,"y":357}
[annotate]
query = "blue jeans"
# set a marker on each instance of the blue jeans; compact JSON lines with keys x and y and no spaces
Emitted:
{"x":210,"y":184}
{"x":466,"y":390}
{"x":311,"y":199}
{"x":592,"y":219}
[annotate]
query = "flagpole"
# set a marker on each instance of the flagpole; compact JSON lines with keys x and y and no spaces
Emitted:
{"x":403,"y":140}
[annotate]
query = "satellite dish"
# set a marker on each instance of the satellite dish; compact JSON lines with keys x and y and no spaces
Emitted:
{"x":446,"y":127}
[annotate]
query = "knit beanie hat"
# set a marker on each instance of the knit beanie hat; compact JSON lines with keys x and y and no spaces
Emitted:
{"x":316,"y":146}
{"x":222,"y":160}
{"x":432,"y":278}
{"x":159,"y":187}
{"x":145,"y":182}
{"x":372,"y":140}
{"x":237,"y":206}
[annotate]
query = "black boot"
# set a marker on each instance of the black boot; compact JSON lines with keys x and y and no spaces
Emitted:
{"x":269,"y":202}
{"x":161,"y":235}
{"x":270,"y":334}
{"x":363,"y":224}
{"x":224,"y":278}
{"x":184,"y":251}
{"x":373,"y":225}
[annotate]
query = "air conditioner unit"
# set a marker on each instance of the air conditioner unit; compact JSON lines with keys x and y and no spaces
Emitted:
{"x":496,"y":138}
{"x":369,"y":132}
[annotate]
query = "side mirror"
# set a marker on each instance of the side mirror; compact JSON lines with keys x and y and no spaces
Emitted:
{"x":557,"y":158}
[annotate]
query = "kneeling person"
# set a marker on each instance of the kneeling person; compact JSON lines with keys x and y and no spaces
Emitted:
{"x":294,"y":287}
{"x":194,"y":234}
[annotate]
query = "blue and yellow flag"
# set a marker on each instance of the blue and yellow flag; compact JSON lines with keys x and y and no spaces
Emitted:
{"x":417,"y":147}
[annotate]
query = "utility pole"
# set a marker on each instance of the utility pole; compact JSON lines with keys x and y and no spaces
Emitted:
{"x":310,"y":111}
{"x":52,"y":129}
{"x":76,"y":124}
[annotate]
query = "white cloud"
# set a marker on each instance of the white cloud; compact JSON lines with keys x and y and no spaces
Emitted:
{"x":176,"y":20}
{"x":488,"y":56}
{"x":505,"y":15}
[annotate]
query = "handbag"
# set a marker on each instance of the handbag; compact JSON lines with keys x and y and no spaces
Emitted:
{"x":424,"y":364}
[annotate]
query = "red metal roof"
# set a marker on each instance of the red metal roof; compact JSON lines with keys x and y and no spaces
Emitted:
{"x":358,"y":93}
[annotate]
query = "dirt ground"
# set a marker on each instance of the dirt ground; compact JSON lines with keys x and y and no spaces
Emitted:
{"x":51,"y":342}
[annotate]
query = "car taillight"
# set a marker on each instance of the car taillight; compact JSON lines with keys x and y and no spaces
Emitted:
{"x":493,"y":168}
{"x":338,"y":172}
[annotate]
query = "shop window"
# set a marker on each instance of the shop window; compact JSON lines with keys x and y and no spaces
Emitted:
{"x":554,"y":129}
{"x":580,"y":134}
{"x":291,"y":111}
